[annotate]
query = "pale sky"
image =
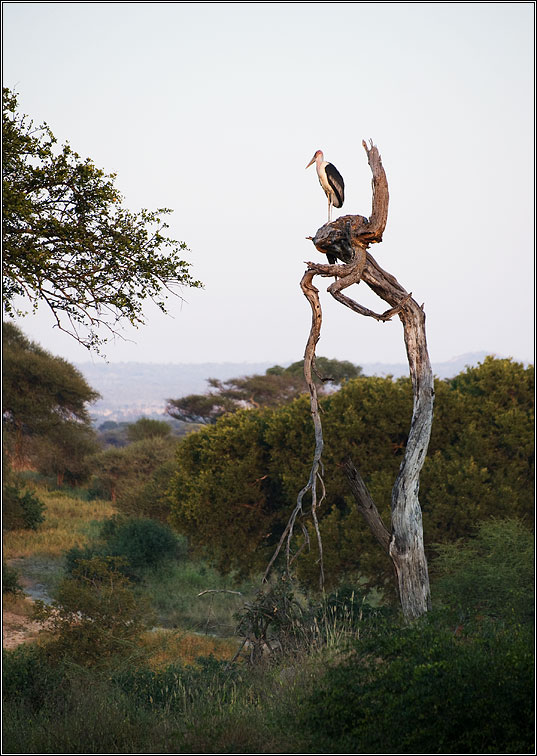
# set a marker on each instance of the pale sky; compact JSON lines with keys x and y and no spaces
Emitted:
{"x":214,"y":110}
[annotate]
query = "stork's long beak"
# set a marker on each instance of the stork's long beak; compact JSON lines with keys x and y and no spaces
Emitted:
{"x":311,"y":162}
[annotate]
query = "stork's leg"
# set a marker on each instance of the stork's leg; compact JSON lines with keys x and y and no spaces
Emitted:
{"x":329,"y":210}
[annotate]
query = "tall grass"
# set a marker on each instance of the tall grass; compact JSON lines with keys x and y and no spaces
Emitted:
{"x":68,"y":522}
{"x":175,"y":590}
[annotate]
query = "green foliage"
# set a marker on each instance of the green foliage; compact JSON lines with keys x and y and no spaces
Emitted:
{"x":236,"y":482}
{"x":44,"y":404}
{"x":10,"y":580}
{"x":143,"y":542}
{"x":176,"y":687}
{"x":423,"y":689}
{"x":69,"y":242}
{"x":140,"y":544}
{"x":21,"y":509}
{"x":278,"y":386}
{"x":96,"y":616}
{"x":334,"y":371}
{"x":29,"y":679}
{"x":491,"y":573}
{"x":223,"y":499}
{"x":129,"y":477}
{"x":439,"y":685}
{"x":458,"y":680}
{"x":145,"y":427}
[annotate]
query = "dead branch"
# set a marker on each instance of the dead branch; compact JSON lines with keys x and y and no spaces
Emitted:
{"x":315,"y":478}
{"x":347,"y":239}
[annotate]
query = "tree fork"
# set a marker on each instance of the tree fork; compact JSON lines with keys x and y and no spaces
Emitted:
{"x":347,"y":239}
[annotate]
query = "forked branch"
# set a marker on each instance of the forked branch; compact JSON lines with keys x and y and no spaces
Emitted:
{"x":347,"y":239}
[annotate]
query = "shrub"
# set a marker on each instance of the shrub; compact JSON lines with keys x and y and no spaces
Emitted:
{"x":21,"y":509}
{"x":423,"y":689}
{"x":10,"y":580}
{"x":96,"y":616}
{"x":141,"y":544}
{"x":145,"y":543}
{"x":492,"y":573}
{"x":29,"y":677}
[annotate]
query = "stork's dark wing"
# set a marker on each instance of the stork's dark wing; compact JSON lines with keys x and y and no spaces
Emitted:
{"x":336,"y":182}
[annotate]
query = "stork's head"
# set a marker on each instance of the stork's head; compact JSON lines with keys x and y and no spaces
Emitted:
{"x":318,"y":154}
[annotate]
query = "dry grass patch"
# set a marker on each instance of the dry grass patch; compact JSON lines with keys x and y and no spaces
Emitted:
{"x":67,"y":523}
{"x":165,"y":647}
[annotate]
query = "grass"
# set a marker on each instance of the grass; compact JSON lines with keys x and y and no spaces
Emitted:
{"x":164,"y":647}
{"x":175,"y":590}
{"x":68,"y":522}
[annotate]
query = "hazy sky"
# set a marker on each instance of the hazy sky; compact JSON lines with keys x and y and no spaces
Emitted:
{"x":214,"y":110}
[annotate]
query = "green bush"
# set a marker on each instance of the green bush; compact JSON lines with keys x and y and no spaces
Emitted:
{"x":458,"y":680}
{"x":145,"y":543}
{"x":29,"y":677}
{"x":10,"y":580}
{"x":424,"y":689}
{"x":96,"y":616}
{"x":142,"y":544}
{"x":21,"y":509}
{"x":492,"y":573}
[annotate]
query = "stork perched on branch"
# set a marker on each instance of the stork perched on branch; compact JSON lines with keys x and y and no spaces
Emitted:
{"x":331,"y":181}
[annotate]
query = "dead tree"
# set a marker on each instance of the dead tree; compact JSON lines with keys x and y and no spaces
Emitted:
{"x":348,"y":239}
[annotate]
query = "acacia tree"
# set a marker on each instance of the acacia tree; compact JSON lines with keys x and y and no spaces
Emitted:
{"x":69,"y":243}
{"x":277,"y":386}
{"x":44,"y":399}
{"x":347,"y":239}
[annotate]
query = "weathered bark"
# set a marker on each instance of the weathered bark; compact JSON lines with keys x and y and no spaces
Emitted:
{"x":348,"y":238}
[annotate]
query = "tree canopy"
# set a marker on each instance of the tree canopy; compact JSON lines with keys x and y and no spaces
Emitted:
{"x":44,"y":405}
{"x":277,"y":386}
{"x":236,"y":480}
{"x":69,"y":243}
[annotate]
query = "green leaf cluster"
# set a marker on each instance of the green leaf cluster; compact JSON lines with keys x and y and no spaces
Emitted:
{"x":142,"y":544}
{"x":69,"y":243}
{"x":136,"y":477}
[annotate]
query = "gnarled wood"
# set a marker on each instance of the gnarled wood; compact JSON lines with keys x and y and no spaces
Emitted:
{"x":347,"y":239}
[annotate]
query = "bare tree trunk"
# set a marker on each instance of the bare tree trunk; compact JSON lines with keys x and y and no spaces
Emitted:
{"x":347,"y":239}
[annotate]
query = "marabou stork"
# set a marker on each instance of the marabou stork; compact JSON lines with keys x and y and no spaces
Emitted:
{"x":330,"y":180}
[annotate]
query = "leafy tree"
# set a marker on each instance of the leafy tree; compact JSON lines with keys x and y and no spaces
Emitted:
{"x":21,"y":509}
{"x":235,"y":481}
{"x":145,"y":427}
{"x":277,"y":386}
{"x":44,"y":405}
{"x":69,"y":243}
{"x":123,"y":475}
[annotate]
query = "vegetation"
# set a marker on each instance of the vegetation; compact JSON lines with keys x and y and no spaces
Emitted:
{"x":437,"y":686}
{"x":158,"y":642}
{"x":140,"y":543}
{"x":236,"y":481}
{"x":70,"y":244}
{"x":96,"y":614}
{"x":44,"y":405}
{"x":21,"y":509}
{"x":131,"y":476}
{"x":278,"y":386}
{"x":68,"y":522}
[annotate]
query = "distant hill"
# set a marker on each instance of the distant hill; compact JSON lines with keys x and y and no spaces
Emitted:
{"x":131,"y":390}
